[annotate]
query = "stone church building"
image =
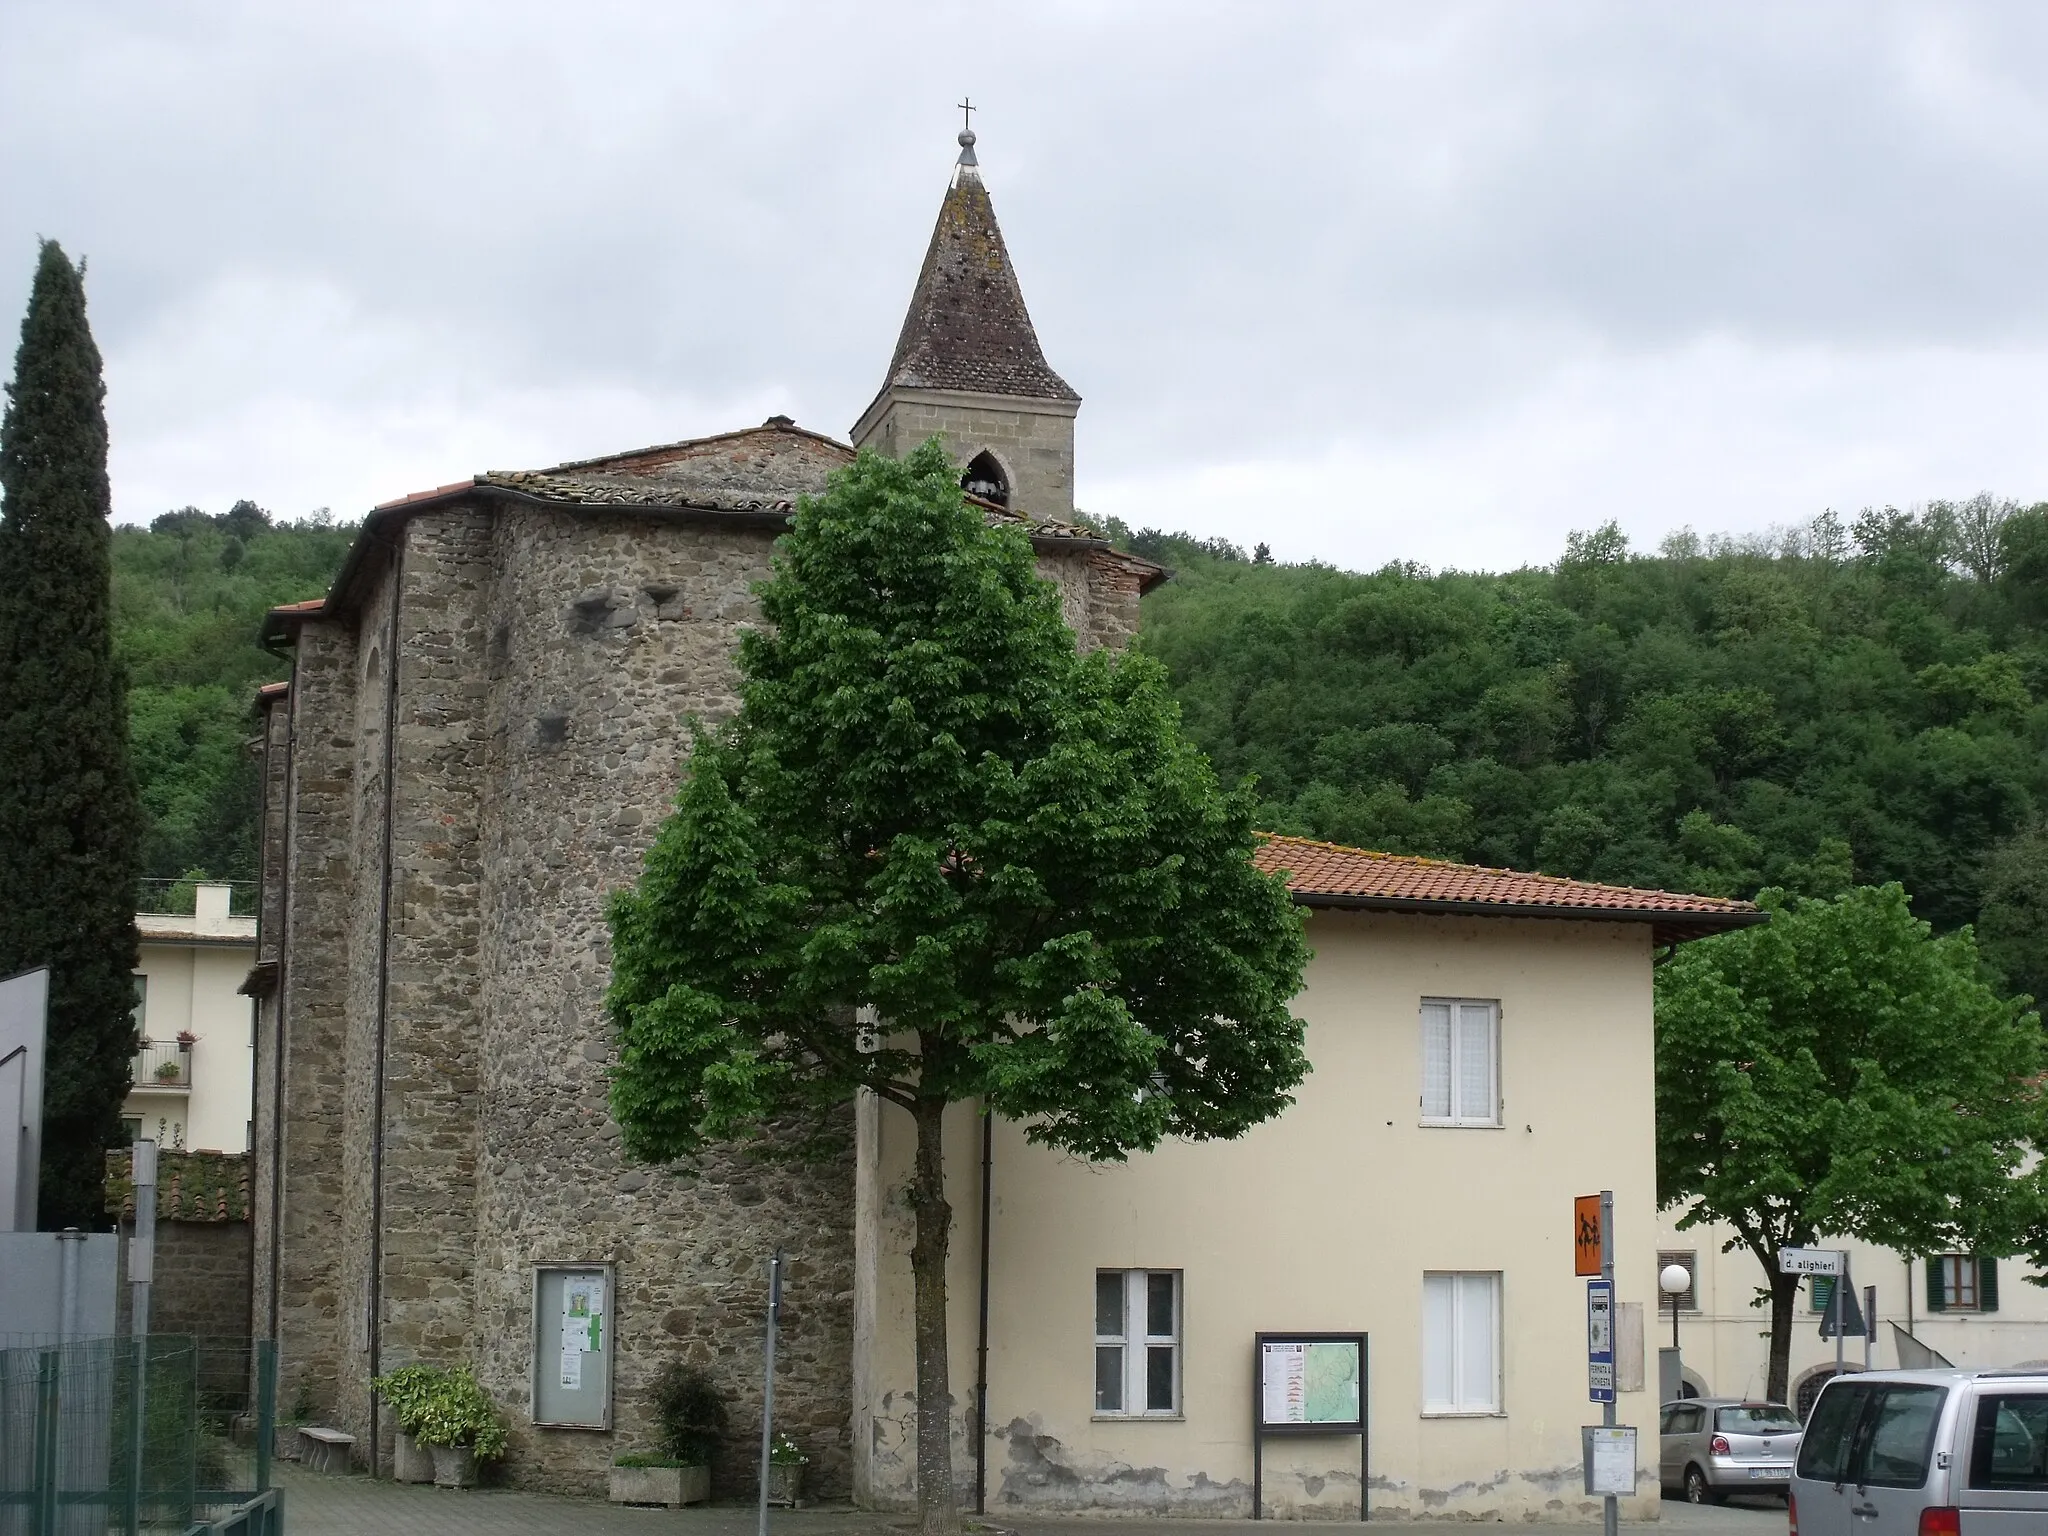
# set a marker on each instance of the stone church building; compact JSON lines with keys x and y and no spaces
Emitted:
{"x":481,"y":733}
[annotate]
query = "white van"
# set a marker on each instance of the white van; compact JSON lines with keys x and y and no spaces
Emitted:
{"x":1925,"y":1453}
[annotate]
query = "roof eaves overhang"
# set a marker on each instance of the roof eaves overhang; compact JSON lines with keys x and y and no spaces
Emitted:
{"x":280,"y":625}
{"x":1667,"y":927}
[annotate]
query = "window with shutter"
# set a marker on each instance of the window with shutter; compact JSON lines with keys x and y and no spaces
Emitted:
{"x":1460,"y":1062}
{"x":1461,"y":1343}
{"x":1937,"y":1295}
{"x":1987,"y":1285}
{"x":1960,"y":1274}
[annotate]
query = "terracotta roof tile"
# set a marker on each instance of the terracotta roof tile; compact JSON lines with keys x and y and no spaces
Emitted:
{"x":1329,"y":874}
{"x":440,"y":490}
{"x":190,"y":1186}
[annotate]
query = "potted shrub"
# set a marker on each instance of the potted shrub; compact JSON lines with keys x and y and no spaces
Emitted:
{"x":786,"y":1472}
{"x":689,"y":1418}
{"x":406,"y":1391}
{"x":169,"y":1071}
{"x":460,"y":1425}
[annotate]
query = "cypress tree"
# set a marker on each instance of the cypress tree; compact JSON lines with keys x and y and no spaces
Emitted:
{"x":70,"y":823}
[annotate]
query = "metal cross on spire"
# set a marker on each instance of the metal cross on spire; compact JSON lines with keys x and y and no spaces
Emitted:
{"x":967,"y":111}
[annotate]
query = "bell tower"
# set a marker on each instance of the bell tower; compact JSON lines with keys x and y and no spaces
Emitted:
{"x":968,"y":368}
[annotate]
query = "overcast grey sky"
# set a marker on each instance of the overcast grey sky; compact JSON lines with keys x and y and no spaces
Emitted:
{"x":1433,"y":282}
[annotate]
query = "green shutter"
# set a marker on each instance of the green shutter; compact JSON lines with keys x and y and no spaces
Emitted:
{"x":1987,"y":1285}
{"x":1819,"y":1289}
{"x":1937,"y":1301}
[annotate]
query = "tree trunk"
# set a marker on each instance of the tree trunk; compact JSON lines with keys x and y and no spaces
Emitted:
{"x":1784,"y":1297}
{"x":938,"y":1514}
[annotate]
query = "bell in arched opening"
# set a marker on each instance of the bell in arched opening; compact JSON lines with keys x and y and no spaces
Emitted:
{"x":984,"y":477}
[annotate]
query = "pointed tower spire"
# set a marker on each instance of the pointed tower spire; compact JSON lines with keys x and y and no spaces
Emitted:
{"x":968,"y":365}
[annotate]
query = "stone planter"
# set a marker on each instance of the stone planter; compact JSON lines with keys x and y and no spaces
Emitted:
{"x":411,"y":1462}
{"x":786,"y":1483}
{"x":284,"y":1442}
{"x":454,"y":1466}
{"x":668,"y":1486}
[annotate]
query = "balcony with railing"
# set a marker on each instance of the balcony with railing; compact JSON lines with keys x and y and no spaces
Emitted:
{"x":164,"y":1064}
{"x":197,"y":897}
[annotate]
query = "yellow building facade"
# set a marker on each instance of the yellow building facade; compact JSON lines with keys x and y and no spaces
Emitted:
{"x":1480,"y":1057}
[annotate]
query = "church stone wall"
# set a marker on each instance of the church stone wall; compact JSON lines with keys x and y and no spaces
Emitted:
{"x":269,"y":946}
{"x":318,"y":876}
{"x":609,"y":631}
{"x":549,"y":661}
{"x":362,"y":927}
{"x":432,"y":1005}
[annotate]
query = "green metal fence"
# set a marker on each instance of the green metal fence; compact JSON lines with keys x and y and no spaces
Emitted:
{"x":123,"y":1435}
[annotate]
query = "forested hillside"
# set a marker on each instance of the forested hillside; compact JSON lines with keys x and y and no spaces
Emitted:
{"x":189,"y":593}
{"x":1865,"y":701}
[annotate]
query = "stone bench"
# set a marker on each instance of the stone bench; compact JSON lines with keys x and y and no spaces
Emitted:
{"x":326,"y":1450}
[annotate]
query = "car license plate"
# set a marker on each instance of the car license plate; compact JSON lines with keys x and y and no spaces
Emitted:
{"x":1766,"y":1473}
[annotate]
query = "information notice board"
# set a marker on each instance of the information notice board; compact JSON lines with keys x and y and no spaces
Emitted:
{"x":572,"y":1346}
{"x":1307,"y":1384}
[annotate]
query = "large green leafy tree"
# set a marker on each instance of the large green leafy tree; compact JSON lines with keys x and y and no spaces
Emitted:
{"x":1843,"y":1071}
{"x":930,"y":806}
{"x":70,"y":826}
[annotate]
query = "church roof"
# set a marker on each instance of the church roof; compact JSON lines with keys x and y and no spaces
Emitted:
{"x":1331,"y":875}
{"x":750,"y":478}
{"x":967,"y":328}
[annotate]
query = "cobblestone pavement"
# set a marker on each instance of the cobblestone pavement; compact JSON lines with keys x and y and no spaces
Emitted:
{"x":357,"y":1506}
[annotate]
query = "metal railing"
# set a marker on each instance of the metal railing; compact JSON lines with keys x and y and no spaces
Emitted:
{"x":163,"y":1064}
{"x":261,"y":1516}
{"x":178,"y":898}
{"x":122,"y":1435}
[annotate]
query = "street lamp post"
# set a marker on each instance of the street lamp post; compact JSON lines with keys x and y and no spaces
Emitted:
{"x":1674,"y":1281}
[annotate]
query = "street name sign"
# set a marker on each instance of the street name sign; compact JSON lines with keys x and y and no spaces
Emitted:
{"x":1810,"y":1261}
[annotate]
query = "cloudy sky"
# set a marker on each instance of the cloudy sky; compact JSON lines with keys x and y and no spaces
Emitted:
{"x":1434,"y":282}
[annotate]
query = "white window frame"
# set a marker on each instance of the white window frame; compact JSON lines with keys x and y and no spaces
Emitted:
{"x":1492,"y":1118}
{"x":1136,"y":1343}
{"x":1457,"y":1406}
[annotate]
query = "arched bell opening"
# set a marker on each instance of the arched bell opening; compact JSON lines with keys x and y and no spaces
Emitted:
{"x":986,"y":478}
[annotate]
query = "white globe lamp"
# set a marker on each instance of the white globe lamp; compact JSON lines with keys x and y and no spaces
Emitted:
{"x":1674,"y":1280}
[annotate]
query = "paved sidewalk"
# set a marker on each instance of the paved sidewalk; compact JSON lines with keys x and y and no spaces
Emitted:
{"x":358,"y":1506}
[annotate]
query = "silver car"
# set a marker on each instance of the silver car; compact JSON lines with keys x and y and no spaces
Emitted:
{"x":1710,"y":1447}
{"x":1925,"y":1453}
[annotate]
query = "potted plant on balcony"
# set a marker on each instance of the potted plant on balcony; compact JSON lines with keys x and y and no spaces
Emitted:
{"x":786,"y":1472}
{"x":460,"y":1425}
{"x":169,"y":1071}
{"x":689,"y":1418}
{"x":186,"y":1037}
{"x":407,"y":1391}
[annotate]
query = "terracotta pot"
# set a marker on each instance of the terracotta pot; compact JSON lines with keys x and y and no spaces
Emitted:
{"x":669,"y":1486}
{"x":454,"y":1466}
{"x":411,"y":1462}
{"x":786,"y":1483}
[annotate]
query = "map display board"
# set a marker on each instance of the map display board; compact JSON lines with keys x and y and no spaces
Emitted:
{"x":1310,"y":1383}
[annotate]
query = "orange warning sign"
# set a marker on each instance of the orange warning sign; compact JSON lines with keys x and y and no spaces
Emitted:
{"x":1586,"y":1235}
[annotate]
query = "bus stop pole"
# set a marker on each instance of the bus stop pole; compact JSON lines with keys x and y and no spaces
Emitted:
{"x":1610,"y":1510}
